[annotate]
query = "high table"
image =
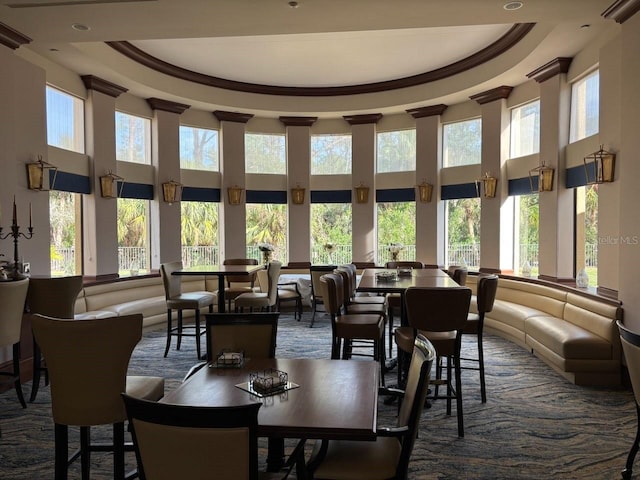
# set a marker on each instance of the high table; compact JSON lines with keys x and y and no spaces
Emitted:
{"x":336,"y":399}
{"x":220,"y":271}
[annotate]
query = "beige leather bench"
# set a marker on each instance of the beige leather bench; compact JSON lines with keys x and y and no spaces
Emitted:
{"x":575,"y":333}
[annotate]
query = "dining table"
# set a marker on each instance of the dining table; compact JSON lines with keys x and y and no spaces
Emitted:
{"x":323,"y":399}
{"x":220,"y":271}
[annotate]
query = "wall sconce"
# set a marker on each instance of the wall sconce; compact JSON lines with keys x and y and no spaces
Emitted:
{"x":235,"y":194}
{"x":604,"y":166}
{"x":545,"y":178}
{"x":37,"y":172}
{"x":488,"y":183}
{"x":362,"y":193}
{"x":297,"y":194}
{"x":425,"y":190}
{"x":172,"y":191}
{"x":109,"y":183}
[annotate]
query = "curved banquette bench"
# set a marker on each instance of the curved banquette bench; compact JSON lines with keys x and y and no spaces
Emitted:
{"x":572,"y":331}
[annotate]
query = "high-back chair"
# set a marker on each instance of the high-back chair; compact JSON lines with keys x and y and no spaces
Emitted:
{"x":394,"y":299}
{"x":87,"y":362}
{"x":361,"y":297}
{"x":51,"y":297}
{"x":12,"y":298}
{"x":458,"y":274}
{"x":176,"y":300}
{"x":316,"y":272}
{"x":389,"y":455}
{"x":263,"y":300}
{"x":485,"y":296}
{"x":214,"y":442}
{"x":252,"y":333}
{"x":239,"y":284}
{"x":440,"y":314}
{"x":347,"y":328}
{"x":631,"y":349}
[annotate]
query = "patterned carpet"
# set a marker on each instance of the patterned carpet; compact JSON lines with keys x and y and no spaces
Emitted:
{"x":535,"y":425}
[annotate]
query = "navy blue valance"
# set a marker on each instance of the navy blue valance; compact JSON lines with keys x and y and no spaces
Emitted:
{"x":461,"y":190}
{"x":266,"y":196}
{"x":331,"y":196}
{"x":396,"y":195}
{"x":198,"y":194}
{"x":69,"y":182}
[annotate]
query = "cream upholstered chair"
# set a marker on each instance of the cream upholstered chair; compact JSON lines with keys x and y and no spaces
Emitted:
{"x":51,"y":297}
{"x":214,"y":442}
{"x":263,"y":300}
{"x":176,"y":300}
{"x":631,"y":349}
{"x":12,"y":298}
{"x":239,"y":284}
{"x":486,"y":294}
{"x":388,"y":457}
{"x":439,"y":314}
{"x":347,"y":328}
{"x":87,"y":362}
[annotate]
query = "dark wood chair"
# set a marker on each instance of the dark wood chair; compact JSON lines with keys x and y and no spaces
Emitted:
{"x":239,"y":284}
{"x":52,"y":297}
{"x":389,"y":455}
{"x":440,"y":314}
{"x":316,"y":272}
{"x":486,"y":294}
{"x":394,"y":299}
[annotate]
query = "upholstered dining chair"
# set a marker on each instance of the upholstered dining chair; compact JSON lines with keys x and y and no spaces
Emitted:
{"x":263,"y":300}
{"x":12,"y":298}
{"x":458,"y":274}
{"x":88,"y":362}
{"x":440,"y":314}
{"x":389,"y":455}
{"x":316,"y":271}
{"x":394,"y":299}
{"x":289,"y":292}
{"x":51,"y":297}
{"x":361,"y":297}
{"x":176,"y":300}
{"x":347,"y":328}
{"x":631,"y":349}
{"x":239,"y":284}
{"x":214,"y":442}
{"x":487,"y":287}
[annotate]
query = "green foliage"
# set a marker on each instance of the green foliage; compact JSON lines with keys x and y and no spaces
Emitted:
{"x":330,"y":223}
{"x":397,"y":223}
{"x":132,"y":222}
{"x":396,"y":151}
{"x":265,"y":154}
{"x":199,"y":223}
{"x":463,"y":220}
{"x":267,"y":223}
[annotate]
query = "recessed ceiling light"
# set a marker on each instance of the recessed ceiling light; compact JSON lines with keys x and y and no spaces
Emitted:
{"x":586,"y":25}
{"x":513,"y":5}
{"x":80,"y":27}
{"x":293,"y":4}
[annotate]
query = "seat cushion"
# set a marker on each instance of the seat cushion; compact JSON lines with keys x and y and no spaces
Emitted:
{"x":367,"y":326}
{"x":191,"y":300}
{"x":147,"y":388}
{"x":252,"y":300}
{"x":347,"y":460}
{"x":405,"y":338}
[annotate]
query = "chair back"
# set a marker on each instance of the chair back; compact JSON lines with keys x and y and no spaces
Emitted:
{"x":486,"y":293}
{"x":172,"y":283}
{"x":404,"y":264}
{"x":12,"y":298}
{"x":347,"y":288}
{"x":631,"y":349}
{"x":273,"y":273}
{"x":54,"y":297}
{"x":437,"y":309}
{"x":253,"y":333}
{"x":460,"y":276}
{"x":214,"y":442}
{"x":332,"y":291}
{"x":87,"y":362}
{"x":244,"y":279}
{"x":414,"y":398}
{"x":316,"y":272}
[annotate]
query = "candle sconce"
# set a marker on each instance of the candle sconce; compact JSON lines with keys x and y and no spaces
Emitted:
{"x":37,"y":172}
{"x":487,"y":184}
{"x":172,"y":191}
{"x":425,"y":191}
{"x":109,"y":184}
{"x":235,"y":195}
{"x":15,"y":233}
{"x":297,"y":195}
{"x":362,"y":193}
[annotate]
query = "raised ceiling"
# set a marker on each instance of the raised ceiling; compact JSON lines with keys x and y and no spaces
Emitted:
{"x":316,"y":59}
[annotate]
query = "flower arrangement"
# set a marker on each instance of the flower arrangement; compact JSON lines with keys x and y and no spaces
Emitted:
{"x":330,"y":247}
{"x":265,"y":247}
{"x":395,"y":249}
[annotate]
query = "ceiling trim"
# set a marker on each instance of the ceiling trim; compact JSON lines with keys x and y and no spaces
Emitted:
{"x":622,"y":10}
{"x":504,"y":43}
{"x":12,"y":38}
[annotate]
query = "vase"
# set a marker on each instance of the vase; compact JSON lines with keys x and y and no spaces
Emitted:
{"x":582,"y":279}
{"x":266,"y":257}
{"x":526,"y":269}
{"x":394,"y":256}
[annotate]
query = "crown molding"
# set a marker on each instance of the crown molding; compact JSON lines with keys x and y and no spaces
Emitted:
{"x":622,"y":10}
{"x":92,"y":82}
{"x":430,"y":111}
{"x":551,"y":69}
{"x":167,"y":106}
{"x":363,"y":119}
{"x":236,"y":117}
{"x":497,"y":93}
{"x":12,"y":38}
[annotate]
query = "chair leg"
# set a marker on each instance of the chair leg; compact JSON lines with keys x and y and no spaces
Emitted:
{"x":37,"y":369}
{"x":118,"y":451}
{"x":390,"y":317}
{"x":169,"y":322}
{"x":61,"y":433}
{"x":628,"y":470}
{"x":483,"y":386}
{"x":16,"y":373}
{"x":313,"y":313}
{"x":85,"y":452}
{"x":197,"y":320}
{"x":179,"y":330}
{"x":458,"y":374}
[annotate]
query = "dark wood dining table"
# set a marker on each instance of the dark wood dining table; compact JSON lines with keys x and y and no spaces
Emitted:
{"x":418,"y":277}
{"x":335,"y":399}
{"x":220,"y":271}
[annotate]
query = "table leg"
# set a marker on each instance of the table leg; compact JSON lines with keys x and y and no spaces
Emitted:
{"x":221,"y":293}
{"x":275,"y":455}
